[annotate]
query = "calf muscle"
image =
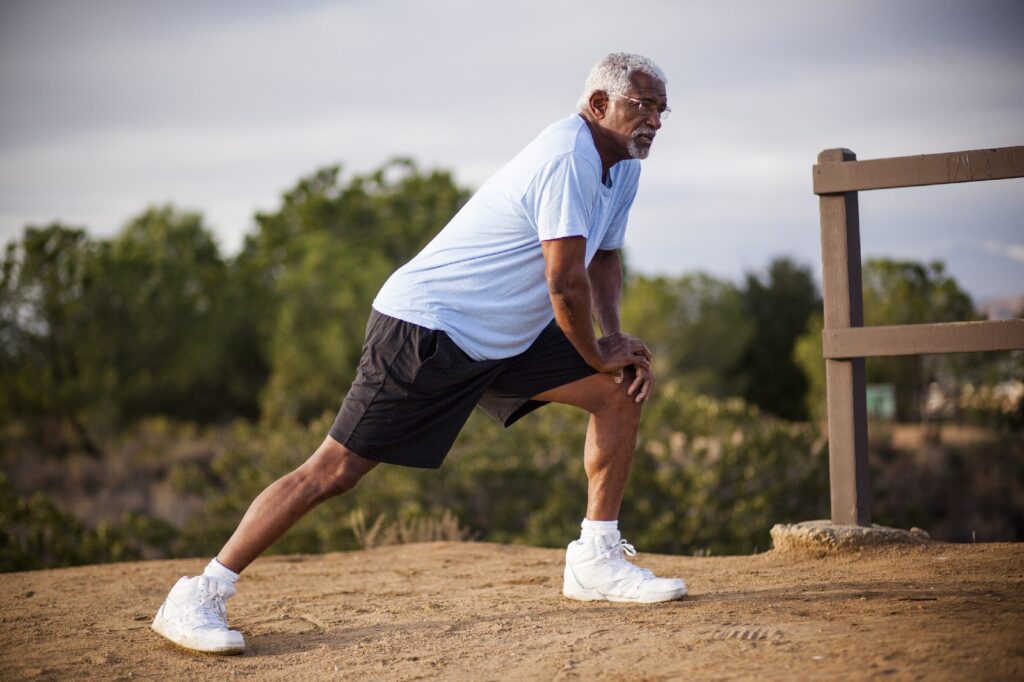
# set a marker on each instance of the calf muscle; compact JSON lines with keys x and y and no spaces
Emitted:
{"x":332,"y":470}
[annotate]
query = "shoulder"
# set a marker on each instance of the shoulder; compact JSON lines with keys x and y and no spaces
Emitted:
{"x":565,"y":140}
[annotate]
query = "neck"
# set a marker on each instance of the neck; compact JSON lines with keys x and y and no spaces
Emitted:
{"x":603,"y":143}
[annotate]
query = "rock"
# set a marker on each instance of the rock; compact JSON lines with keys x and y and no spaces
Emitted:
{"x":825,"y":537}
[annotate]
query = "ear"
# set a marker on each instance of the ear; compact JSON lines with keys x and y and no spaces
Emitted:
{"x":599,"y":103}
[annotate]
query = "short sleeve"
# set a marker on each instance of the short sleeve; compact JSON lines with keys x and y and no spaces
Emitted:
{"x":562,"y":197}
{"x":615,"y":236}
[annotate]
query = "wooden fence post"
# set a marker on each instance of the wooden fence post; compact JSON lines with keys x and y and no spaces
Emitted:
{"x":838,"y":176}
{"x":847,"y":402}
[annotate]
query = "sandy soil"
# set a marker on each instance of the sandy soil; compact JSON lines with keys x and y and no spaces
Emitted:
{"x":482,"y":611}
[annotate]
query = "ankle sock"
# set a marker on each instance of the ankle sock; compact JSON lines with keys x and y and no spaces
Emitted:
{"x":590,"y":529}
{"x":219,"y":570}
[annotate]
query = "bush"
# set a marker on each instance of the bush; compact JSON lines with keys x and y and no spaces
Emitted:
{"x":709,"y":477}
{"x":35,"y":533}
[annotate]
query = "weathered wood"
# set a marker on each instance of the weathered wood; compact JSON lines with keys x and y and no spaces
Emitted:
{"x":838,"y":176}
{"x":847,"y":403}
{"x":840,"y":252}
{"x":848,"y":480}
{"x":912,"y":171}
{"x":922,"y":339}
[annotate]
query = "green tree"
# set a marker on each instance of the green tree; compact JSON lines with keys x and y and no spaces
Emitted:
{"x":317,"y":263}
{"x":162,"y":302}
{"x":695,"y":326}
{"x":323,"y":305}
{"x":900,"y":292}
{"x":49,"y":374}
{"x":808,"y":355}
{"x":905,"y":292}
{"x":778,"y":306}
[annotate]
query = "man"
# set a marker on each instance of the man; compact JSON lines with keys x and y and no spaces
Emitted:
{"x":468,"y":322}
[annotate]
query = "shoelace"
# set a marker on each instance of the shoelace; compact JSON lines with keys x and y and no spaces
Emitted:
{"x":211,"y":609}
{"x":624,"y":547}
{"x":618,"y":552}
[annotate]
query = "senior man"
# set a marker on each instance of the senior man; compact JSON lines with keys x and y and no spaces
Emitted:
{"x":497,"y":311}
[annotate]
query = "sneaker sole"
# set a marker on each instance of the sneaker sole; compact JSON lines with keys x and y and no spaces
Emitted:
{"x":166,"y":630}
{"x":593,"y":595}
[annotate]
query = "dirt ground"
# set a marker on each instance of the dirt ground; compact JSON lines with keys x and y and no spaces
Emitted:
{"x":482,"y":611}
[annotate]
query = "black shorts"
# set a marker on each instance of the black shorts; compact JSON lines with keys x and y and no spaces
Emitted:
{"x":415,"y":389}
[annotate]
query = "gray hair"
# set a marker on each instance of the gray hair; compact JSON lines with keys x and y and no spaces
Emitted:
{"x":612,"y":74}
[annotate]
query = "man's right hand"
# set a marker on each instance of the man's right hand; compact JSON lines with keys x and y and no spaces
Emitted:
{"x":619,"y":351}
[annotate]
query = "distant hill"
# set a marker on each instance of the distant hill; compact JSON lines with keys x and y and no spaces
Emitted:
{"x":1003,"y":308}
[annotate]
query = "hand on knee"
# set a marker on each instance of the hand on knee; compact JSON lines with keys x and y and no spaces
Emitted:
{"x":620,"y":404}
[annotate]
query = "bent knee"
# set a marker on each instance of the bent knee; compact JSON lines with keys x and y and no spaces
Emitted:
{"x":618,"y":401}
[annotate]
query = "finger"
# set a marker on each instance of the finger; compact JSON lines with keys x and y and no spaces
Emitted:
{"x":637,"y":387}
{"x":645,"y":392}
{"x":648,"y":387}
{"x":638,"y":382}
{"x":638,"y":347}
{"x":641,"y":361}
{"x":617,"y":376}
{"x":641,"y":394}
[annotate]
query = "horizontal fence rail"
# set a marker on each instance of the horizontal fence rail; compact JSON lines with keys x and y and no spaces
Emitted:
{"x":923,"y":339}
{"x":915,"y":171}
{"x":846,"y":342}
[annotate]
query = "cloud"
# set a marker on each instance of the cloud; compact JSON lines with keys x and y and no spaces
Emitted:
{"x":1014,"y":252}
{"x":109,"y":106}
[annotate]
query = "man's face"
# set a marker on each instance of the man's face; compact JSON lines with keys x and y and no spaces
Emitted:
{"x":631,"y":126}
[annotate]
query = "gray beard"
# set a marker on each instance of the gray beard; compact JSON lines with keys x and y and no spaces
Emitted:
{"x":634,"y":149}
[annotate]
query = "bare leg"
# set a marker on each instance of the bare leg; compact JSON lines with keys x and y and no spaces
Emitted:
{"x":330,"y":471}
{"x":611,"y":438}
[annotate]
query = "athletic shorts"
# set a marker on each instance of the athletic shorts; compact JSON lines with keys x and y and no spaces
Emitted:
{"x":415,"y":389}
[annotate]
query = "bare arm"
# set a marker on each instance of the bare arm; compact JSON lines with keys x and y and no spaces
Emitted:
{"x":605,"y":274}
{"x":571,"y":298}
{"x":578,"y":293}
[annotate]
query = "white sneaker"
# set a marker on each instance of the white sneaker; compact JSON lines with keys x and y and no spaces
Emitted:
{"x":597,"y":569}
{"x":194,"y":616}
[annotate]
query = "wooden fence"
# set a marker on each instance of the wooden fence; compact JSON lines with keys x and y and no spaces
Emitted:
{"x":838,"y":176}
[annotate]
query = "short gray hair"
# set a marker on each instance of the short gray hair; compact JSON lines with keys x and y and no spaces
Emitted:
{"x":612,"y":74}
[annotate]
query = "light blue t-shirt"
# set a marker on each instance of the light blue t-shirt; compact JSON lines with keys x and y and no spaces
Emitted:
{"x":481,"y":280}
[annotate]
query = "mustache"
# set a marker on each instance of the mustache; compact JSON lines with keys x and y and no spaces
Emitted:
{"x":644,"y":130}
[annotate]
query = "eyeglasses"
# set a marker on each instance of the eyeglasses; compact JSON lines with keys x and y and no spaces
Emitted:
{"x":647,"y":107}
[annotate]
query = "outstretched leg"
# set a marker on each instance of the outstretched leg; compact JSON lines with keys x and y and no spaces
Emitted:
{"x":331,"y":470}
{"x":194,"y":614}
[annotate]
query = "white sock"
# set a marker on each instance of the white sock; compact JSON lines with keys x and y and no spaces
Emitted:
{"x":219,"y":570}
{"x":590,"y":529}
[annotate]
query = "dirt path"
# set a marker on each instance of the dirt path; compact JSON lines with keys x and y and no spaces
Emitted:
{"x":481,"y":611}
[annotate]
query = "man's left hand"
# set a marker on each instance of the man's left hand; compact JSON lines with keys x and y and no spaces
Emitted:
{"x":643,"y":384}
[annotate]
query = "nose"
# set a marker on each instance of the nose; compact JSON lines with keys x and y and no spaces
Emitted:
{"x":654,"y":119}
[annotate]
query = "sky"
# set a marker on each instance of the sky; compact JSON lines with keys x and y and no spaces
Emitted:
{"x":108,"y":107}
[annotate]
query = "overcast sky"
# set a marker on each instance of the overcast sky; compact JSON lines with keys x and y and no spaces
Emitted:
{"x":108,"y":107}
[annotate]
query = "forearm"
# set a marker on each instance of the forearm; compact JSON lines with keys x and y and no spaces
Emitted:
{"x":571,"y":301}
{"x":605,"y":299}
{"x":605,"y":274}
